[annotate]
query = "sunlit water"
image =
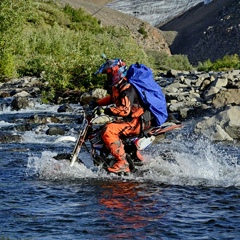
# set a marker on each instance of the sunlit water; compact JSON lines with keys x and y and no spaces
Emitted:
{"x":188,"y":188}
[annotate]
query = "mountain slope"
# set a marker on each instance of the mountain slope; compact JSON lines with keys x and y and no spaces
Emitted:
{"x":154,"y":41}
{"x":206,"y":31}
{"x":153,"y":11}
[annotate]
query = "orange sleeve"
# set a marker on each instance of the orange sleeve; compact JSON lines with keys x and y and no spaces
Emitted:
{"x":124,"y":109}
{"x":104,"y":101}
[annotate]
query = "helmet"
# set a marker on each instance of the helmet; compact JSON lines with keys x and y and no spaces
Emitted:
{"x":115,"y":69}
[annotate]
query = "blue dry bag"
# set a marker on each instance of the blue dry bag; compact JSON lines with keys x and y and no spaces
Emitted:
{"x":141,"y":77}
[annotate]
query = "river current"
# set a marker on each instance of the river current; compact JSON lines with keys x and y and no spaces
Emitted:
{"x":188,"y":188}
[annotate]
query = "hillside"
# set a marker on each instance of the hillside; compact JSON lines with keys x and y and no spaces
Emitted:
{"x":152,"y":39}
{"x":206,"y":31}
{"x":153,"y":11}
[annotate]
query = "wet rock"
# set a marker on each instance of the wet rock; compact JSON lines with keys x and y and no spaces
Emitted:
{"x":23,"y":127}
{"x":189,"y":94}
{"x":65,"y":108}
{"x":43,"y":119}
{"x":4,"y":94}
{"x":9,"y":138}
{"x":55,"y":130}
{"x":20,"y":103}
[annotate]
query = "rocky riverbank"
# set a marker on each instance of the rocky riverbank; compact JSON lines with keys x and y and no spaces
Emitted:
{"x":211,"y":99}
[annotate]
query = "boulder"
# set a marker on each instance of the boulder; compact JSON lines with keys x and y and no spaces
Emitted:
{"x":55,"y":130}
{"x":95,"y":94}
{"x":20,"y":103}
{"x":226,"y":97}
{"x":222,"y":126}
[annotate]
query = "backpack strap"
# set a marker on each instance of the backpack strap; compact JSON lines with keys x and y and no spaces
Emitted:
{"x":146,"y":122}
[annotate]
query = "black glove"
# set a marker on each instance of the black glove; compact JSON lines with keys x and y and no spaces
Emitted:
{"x":108,"y":111}
{"x":92,"y":104}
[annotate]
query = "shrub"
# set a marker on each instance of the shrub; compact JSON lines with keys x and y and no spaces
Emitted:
{"x":61,"y":44}
{"x":163,"y":61}
{"x":7,"y":66}
{"x":205,"y":66}
{"x":143,"y":31}
{"x":228,"y":62}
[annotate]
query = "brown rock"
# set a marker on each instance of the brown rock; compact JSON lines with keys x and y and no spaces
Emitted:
{"x":229,"y":96}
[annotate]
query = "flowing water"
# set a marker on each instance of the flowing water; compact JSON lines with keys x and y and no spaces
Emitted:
{"x":188,"y":188}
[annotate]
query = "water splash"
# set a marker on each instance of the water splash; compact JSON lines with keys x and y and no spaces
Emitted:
{"x":184,"y":160}
{"x":47,"y":168}
{"x":193,"y":161}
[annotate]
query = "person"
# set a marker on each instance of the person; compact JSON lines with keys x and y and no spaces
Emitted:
{"x":127,"y":105}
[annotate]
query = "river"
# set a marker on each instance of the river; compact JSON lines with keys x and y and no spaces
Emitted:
{"x":189,"y":188}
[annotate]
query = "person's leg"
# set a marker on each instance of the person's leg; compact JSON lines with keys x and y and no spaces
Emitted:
{"x":117,"y":150}
{"x":112,"y":140}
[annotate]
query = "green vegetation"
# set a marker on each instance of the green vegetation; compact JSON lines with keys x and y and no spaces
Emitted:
{"x":228,"y":62}
{"x":143,"y":31}
{"x":162,"y":61}
{"x":63,"y":45}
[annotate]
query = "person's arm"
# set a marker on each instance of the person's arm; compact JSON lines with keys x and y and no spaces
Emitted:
{"x":104,"y":101}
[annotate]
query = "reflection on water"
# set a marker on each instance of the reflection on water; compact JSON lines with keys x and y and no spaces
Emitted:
{"x":129,"y":205}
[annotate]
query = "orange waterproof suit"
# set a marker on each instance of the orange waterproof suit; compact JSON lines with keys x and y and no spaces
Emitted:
{"x":127,"y":104}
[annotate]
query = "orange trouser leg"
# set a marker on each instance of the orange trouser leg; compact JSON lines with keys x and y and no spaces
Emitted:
{"x":113,"y":131}
{"x":117,"y":150}
{"x":111,"y":137}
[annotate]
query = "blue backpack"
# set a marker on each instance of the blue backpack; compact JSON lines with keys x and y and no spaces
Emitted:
{"x":141,"y":77}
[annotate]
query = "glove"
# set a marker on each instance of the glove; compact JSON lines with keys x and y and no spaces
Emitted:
{"x":108,"y":111}
{"x":92,"y":104}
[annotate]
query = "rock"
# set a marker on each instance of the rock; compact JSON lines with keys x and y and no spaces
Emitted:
{"x":99,"y":93}
{"x":95,"y":94}
{"x":65,"y":108}
{"x":215,"y":95}
{"x":172,"y":73}
{"x":22,"y":94}
{"x":184,"y":113}
{"x":222,"y":126}
{"x":9,"y":138}
{"x":23,"y":127}
{"x":225,"y":97}
{"x":43,"y":119}
{"x":220,"y":82}
{"x":204,"y":83}
{"x":4,"y":94}
{"x":20,"y":102}
{"x":86,"y":98}
{"x":55,"y":130}
{"x":210,"y":93}
{"x":219,"y":134}
{"x":232,"y":127}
